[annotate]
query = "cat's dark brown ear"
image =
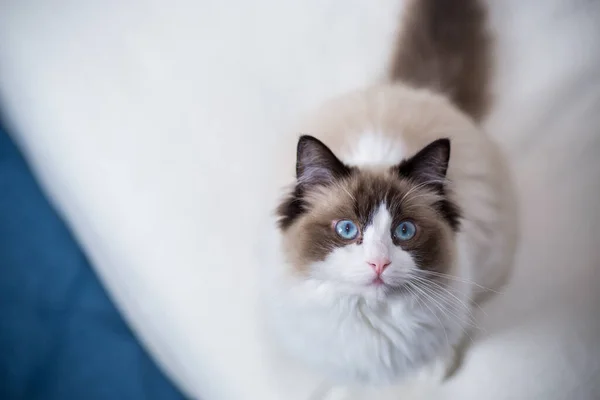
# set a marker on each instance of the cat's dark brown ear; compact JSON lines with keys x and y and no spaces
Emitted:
{"x":429,"y":166}
{"x":316,"y":165}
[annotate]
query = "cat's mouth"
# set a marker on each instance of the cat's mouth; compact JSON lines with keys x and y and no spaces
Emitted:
{"x":377,"y":281}
{"x":385,"y":285}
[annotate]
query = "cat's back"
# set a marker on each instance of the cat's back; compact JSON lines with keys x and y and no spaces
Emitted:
{"x":382,"y":125}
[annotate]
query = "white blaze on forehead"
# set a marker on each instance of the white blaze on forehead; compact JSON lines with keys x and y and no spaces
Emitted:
{"x":374,"y":149}
{"x":377,"y":238}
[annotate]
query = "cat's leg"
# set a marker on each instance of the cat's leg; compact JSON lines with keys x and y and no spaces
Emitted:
{"x":443,"y":367}
{"x":419,"y":386}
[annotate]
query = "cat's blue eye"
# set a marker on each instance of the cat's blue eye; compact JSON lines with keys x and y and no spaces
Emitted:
{"x":405,"y":231}
{"x":346,"y":229}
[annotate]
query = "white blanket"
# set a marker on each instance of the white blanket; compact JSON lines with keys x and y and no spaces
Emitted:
{"x":150,"y":124}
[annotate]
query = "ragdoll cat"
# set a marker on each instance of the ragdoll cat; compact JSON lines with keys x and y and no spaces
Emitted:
{"x":401,"y":210}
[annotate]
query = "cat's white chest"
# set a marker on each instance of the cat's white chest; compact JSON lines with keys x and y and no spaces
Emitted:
{"x":351,"y":340}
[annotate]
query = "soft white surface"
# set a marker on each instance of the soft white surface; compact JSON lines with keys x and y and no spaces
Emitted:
{"x":150,"y":124}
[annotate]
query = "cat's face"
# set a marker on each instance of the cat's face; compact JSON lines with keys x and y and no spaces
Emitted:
{"x":369,"y":231}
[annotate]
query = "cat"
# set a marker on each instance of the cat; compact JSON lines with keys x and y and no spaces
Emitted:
{"x":401,"y":214}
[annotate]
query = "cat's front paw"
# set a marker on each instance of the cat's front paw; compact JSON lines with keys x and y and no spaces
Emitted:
{"x":441,"y":369}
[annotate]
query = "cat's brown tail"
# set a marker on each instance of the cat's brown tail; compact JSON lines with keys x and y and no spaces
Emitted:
{"x":444,"y":45}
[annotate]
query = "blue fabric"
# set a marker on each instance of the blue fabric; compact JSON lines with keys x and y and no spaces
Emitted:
{"x":61,"y":337}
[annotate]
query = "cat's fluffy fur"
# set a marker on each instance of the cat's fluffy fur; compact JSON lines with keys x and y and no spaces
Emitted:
{"x":408,"y":150}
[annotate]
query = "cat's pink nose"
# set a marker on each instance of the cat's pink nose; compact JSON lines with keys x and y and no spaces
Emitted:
{"x":379,"y":264}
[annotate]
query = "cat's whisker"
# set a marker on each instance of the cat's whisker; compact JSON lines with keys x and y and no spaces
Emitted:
{"x":453,"y":290}
{"x":348,"y":193}
{"x":413,"y":189}
{"x":433,"y":312}
{"x":440,"y":287}
{"x":416,"y":196}
{"x":469,"y":298}
{"x":453,"y":309}
{"x":420,"y":186}
{"x":441,"y":296}
{"x":418,"y":271}
{"x":429,"y":283}
{"x":413,"y":205}
{"x":415,"y":295}
{"x":462,"y":280}
{"x":441,"y":306}
{"x":451,"y":277}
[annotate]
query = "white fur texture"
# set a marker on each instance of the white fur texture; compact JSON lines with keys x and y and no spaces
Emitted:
{"x":144,"y":118}
{"x":374,"y":150}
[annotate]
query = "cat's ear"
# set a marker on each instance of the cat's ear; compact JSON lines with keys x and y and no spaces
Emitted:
{"x":316,"y":165}
{"x":428,"y":166}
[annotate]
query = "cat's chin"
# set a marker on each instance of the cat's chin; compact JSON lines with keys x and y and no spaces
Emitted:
{"x":391,"y":290}
{"x":379,"y":289}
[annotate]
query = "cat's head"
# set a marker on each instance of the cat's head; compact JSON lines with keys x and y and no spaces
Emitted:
{"x":369,"y":230}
